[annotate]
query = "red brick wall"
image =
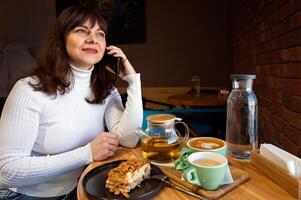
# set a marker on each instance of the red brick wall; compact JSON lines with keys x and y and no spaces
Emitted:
{"x":265,"y":39}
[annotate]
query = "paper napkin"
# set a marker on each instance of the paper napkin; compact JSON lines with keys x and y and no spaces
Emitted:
{"x":228,"y":177}
{"x":283,"y":159}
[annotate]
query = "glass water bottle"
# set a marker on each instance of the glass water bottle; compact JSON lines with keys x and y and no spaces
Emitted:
{"x":196,"y":83}
{"x":242,"y":117}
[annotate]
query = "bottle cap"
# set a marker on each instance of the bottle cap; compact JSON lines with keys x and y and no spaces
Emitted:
{"x":242,"y":76}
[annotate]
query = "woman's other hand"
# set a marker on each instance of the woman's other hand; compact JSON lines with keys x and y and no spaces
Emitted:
{"x":104,"y":145}
{"x":126,"y":66}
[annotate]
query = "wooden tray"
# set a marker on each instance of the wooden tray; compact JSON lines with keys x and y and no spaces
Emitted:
{"x":239,"y":177}
{"x":288,"y":182}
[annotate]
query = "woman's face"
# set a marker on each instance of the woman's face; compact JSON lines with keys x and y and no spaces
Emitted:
{"x":85,"y":45}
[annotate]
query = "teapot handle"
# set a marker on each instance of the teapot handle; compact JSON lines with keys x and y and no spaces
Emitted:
{"x":186,"y":131}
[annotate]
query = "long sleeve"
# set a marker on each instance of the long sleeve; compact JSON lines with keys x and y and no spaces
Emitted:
{"x":19,"y":128}
{"x":125,"y":121}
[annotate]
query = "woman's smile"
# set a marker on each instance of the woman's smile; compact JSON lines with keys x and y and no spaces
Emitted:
{"x":90,"y":50}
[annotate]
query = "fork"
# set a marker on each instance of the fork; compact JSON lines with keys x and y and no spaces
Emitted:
{"x":164,"y":179}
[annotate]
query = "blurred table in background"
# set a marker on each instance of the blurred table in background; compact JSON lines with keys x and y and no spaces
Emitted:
{"x":205,"y":114}
{"x":205,"y":99}
{"x":161,"y":94}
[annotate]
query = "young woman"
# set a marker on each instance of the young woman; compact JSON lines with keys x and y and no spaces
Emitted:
{"x":53,"y":122}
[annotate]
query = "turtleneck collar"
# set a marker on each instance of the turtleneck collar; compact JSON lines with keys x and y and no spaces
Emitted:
{"x":81,"y":76}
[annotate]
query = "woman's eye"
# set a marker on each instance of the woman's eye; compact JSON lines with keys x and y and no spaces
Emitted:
{"x":82,"y":31}
{"x":100,"y":35}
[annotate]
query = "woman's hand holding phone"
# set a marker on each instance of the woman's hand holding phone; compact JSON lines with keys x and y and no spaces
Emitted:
{"x":113,"y":63}
{"x":121,"y":61}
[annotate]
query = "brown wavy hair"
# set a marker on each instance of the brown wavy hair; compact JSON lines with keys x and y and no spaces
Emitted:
{"x":54,"y":72}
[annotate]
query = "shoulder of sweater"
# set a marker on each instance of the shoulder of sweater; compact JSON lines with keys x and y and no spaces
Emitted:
{"x":25,"y":94}
{"x":25,"y":82}
{"x":24,"y":85}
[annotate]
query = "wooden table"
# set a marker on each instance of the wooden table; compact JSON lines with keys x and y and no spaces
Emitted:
{"x":204,"y":100}
{"x":258,"y":187}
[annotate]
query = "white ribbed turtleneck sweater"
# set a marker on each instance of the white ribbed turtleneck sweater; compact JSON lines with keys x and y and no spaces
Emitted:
{"x":45,"y":141}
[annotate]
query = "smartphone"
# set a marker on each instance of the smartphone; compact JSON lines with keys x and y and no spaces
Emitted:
{"x":113,"y":62}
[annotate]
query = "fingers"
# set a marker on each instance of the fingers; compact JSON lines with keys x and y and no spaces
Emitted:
{"x":110,"y":139}
{"x":113,"y":139}
{"x":110,"y":144}
{"x":126,"y":68}
{"x":108,"y":150}
{"x":116,"y":52}
{"x":104,"y":145}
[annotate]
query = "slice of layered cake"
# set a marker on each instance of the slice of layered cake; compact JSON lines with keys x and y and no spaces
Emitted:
{"x":127,"y":176}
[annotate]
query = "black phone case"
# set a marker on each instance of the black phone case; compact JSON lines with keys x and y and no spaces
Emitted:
{"x":113,"y":62}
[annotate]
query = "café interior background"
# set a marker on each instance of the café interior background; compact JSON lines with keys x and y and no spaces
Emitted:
{"x":182,"y":38}
{"x":211,"y":37}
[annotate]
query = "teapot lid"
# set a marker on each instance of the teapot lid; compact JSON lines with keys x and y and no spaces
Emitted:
{"x":161,"y":118}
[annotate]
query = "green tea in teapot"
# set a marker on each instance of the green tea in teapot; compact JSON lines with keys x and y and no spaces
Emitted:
{"x":159,"y":149}
{"x":161,"y":142}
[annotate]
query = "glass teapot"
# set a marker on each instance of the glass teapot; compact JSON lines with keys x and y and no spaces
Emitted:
{"x":161,"y":141}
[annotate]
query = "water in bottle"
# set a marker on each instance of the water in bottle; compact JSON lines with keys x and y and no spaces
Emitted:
{"x":242,"y":117}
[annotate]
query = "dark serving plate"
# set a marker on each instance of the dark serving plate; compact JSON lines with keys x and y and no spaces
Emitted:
{"x":94,"y":184}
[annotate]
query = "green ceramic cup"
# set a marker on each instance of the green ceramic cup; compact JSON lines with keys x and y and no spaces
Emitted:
{"x":200,"y":144}
{"x":207,"y":144}
{"x":207,"y":169}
